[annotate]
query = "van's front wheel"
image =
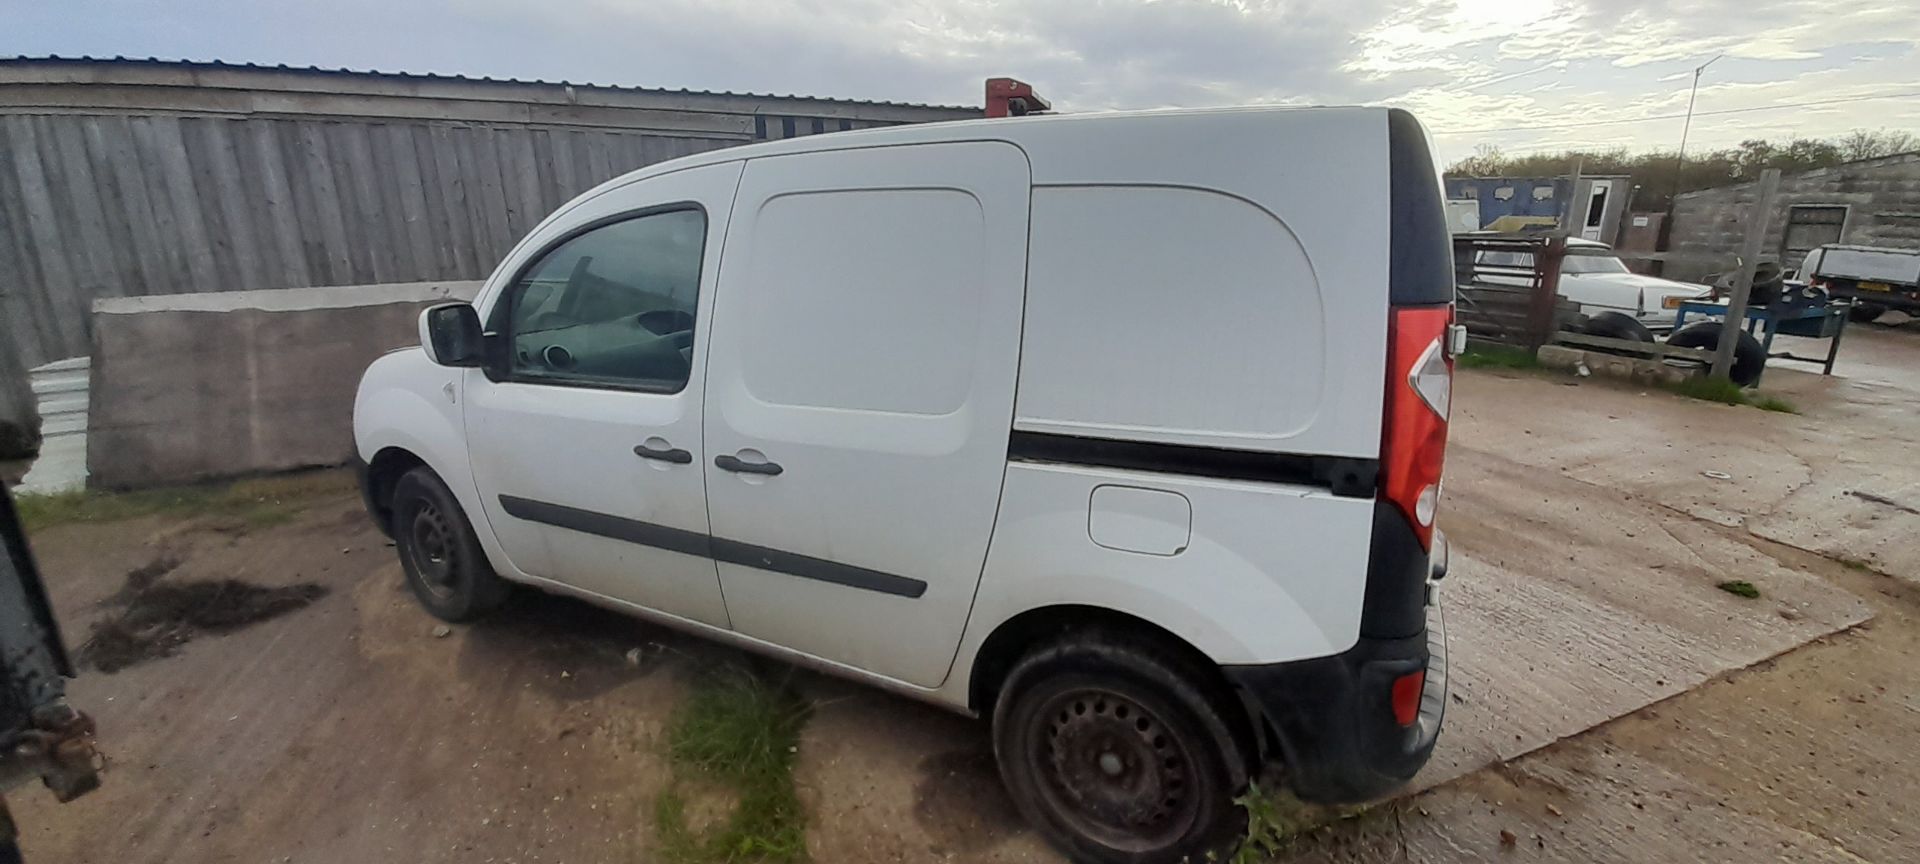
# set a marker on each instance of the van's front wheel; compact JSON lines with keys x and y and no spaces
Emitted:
{"x":1115,"y":755}
{"x":445,"y":566}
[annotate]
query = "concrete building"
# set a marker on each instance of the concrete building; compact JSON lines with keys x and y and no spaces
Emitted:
{"x":1537,"y":203}
{"x":138,"y":177}
{"x":1873,"y":202}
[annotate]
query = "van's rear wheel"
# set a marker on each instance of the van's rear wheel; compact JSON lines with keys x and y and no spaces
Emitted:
{"x":1115,"y":755}
{"x":445,"y":566}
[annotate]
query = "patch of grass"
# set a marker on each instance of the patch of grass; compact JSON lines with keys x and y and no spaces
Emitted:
{"x":1276,"y":821}
{"x":1484,"y":356}
{"x":1710,"y":389}
{"x":1729,"y":393}
{"x":1740,"y":588}
{"x":1272,"y":821}
{"x":741,"y":730}
{"x":249,"y":504}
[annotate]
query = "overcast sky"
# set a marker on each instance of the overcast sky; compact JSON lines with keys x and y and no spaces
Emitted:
{"x":1474,"y":70}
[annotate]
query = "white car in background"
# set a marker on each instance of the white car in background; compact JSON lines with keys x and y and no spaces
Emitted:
{"x":1599,"y":281}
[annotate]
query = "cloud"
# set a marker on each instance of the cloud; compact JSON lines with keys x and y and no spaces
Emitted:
{"x":1463,"y":65}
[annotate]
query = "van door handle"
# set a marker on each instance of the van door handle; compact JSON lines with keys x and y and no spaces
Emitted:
{"x":665,"y":454}
{"x":728,"y":462}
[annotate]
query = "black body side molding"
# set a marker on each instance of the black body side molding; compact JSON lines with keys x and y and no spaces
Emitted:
{"x":708,"y":546}
{"x":1344,"y":476}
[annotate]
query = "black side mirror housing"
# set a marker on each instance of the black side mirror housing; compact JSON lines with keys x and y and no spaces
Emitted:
{"x":451,"y":334}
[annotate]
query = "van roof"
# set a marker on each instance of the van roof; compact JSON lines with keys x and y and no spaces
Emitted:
{"x":1011,"y":129}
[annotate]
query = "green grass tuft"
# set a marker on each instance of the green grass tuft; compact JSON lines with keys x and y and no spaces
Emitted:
{"x":1488,"y":356}
{"x":1740,"y":588}
{"x":255,"y":503}
{"x":742,"y":731}
{"x":1278,"y":822}
{"x":1273,"y":820}
{"x":1729,"y":393}
{"x":1710,"y":389}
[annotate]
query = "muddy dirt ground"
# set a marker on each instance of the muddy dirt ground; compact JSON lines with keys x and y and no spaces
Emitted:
{"x":1620,"y":707}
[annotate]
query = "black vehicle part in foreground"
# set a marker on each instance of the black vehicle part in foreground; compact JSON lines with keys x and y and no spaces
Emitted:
{"x":40,"y":734}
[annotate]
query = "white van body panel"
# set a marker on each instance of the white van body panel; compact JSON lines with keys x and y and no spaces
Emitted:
{"x":1261,"y":213}
{"x":408,"y":402}
{"x":1213,"y":279}
{"x":1115,"y":281}
{"x":1263,"y":578}
{"x":866,"y":341}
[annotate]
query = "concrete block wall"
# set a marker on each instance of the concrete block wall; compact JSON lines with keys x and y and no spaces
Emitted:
{"x":1883,"y":196}
{"x":194,"y":387}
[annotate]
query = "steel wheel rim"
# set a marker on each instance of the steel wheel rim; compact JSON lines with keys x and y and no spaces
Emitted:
{"x":430,"y":547}
{"x":1113,"y":770}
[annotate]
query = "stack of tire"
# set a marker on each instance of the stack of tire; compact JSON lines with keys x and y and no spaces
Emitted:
{"x":1748,"y":357}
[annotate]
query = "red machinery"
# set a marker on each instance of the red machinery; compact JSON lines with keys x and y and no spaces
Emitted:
{"x":1009,"y":97}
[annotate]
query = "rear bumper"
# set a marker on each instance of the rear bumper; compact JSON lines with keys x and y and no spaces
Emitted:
{"x":1333,"y":716}
{"x":1899,"y":298}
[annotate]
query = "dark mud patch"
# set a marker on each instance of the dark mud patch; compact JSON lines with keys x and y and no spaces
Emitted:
{"x":141,"y":578}
{"x":567,"y":648}
{"x":156,"y":615}
{"x":961,"y":803}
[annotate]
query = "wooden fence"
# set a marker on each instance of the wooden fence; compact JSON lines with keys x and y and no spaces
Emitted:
{"x":1506,"y":288}
{"x":1504,"y":314}
{"x":108,"y":206}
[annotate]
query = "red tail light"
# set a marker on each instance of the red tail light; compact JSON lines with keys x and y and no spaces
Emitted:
{"x":1406,"y":697}
{"x":1419,"y":394}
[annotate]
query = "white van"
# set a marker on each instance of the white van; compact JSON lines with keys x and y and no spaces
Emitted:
{"x":1123,"y":430}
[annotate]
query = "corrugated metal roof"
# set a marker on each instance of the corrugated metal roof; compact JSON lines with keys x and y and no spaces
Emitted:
{"x":429,"y":76}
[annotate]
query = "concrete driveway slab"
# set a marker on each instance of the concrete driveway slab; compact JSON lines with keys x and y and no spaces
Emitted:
{"x":1570,"y":605}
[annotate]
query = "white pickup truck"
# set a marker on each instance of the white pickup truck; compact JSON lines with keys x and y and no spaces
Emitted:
{"x":1875,"y":278}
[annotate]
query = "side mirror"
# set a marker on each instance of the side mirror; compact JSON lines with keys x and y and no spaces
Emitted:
{"x":451,"y":334}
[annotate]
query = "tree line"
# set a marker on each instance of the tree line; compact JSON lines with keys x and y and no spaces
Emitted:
{"x":1655,"y":172}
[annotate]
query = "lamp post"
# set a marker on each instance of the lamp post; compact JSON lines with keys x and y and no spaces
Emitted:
{"x":1687,"y":127}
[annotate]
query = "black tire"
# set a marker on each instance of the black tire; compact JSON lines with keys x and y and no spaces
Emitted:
{"x":1748,"y":357}
{"x":445,"y":566}
{"x":1864,"y":313}
{"x":1617,"y":325}
{"x":1118,"y":753}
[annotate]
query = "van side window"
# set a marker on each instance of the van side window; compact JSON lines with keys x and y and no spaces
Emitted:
{"x":613,"y":306}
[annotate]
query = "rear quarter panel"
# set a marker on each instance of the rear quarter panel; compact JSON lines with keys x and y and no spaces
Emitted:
{"x":1312,"y":184}
{"x":1275,"y":230}
{"x":1271,"y":572}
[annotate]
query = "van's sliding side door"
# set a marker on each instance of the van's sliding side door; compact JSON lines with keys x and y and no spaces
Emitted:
{"x":859,"y":395}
